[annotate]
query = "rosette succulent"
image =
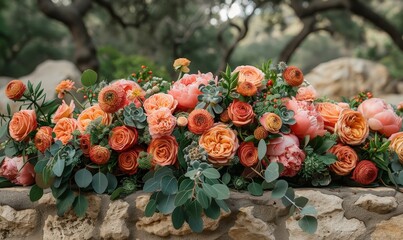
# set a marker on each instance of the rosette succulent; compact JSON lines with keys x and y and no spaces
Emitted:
{"x":134,"y":116}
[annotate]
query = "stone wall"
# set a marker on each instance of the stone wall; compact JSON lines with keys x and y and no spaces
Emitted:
{"x":343,"y":213}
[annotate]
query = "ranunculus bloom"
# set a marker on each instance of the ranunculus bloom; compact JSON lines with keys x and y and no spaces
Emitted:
{"x":18,"y":172}
{"x":250,"y":74}
{"x":164,"y":150}
{"x":111,"y":98}
{"x":396,"y":144}
{"x":330,"y":113}
{"x":160,"y":100}
{"x":220,"y":143}
{"x":224,"y":116}
{"x":247,"y":153}
{"x":161,"y":122}
{"x":306,"y":93}
{"x":122,"y":138}
{"x":240,"y":113}
{"x":64,"y":129}
{"x":64,"y":111}
{"x":92,"y":113}
{"x":182,"y":121}
{"x":199,"y":121}
{"x":43,"y":138}
{"x":186,"y":89}
{"x":99,"y":154}
{"x":182,"y":64}
{"x":22,"y":123}
{"x":127,"y":162}
{"x":351,"y":127}
{"x":85,"y":144}
{"x":63,"y":87}
{"x":308,"y":120}
{"x":260,"y":133}
{"x":286,"y":151}
{"x":247,"y":89}
{"x":380,"y":116}
{"x":293,"y":76}
{"x":365,"y":173}
{"x":346,"y":159}
{"x":15,"y":89}
{"x":134,"y":93}
{"x":271,"y":122}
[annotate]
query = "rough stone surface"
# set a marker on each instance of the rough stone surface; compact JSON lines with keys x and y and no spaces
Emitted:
{"x":249,"y":227}
{"x":331,"y":221}
{"x":377,"y":204}
{"x":114,"y":225}
{"x":389,"y":229}
{"x":16,"y":223}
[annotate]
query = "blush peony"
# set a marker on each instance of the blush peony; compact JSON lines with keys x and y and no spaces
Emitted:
{"x":161,"y":122}
{"x":133,"y":92}
{"x":306,"y":93}
{"x":17,"y":171}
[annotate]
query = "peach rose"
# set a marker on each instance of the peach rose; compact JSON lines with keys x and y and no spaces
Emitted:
{"x":330,"y":113}
{"x":306,"y":93}
{"x":43,"y":138}
{"x":182,"y":64}
{"x":199,"y":121}
{"x":347,"y":159}
{"x":250,"y":74}
{"x":18,"y":171}
{"x":122,"y":138}
{"x":380,"y":116}
{"x":85,"y":144}
{"x":15,"y":89}
{"x":64,"y":129}
{"x":396,"y":144}
{"x":271,"y":122}
{"x":64,"y":111}
{"x":343,"y":105}
{"x":182,"y":121}
{"x":63,"y":87}
{"x":161,"y":122}
{"x":92,"y":113}
{"x":134,"y":93}
{"x":365,"y":173}
{"x":240,"y":113}
{"x":293,"y":76}
{"x":351,"y":127}
{"x":160,"y":100}
{"x":22,"y":123}
{"x":247,"y":153}
{"x":246,"y":89}
{"x":127,"y":162}
{"x":220,"y":143}
{"x":111,"y":98}
{"x":99,"y":154}
{"x":164,"y":150}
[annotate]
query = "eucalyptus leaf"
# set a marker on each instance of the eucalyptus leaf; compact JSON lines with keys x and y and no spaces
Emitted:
{"x":182,"y":197}
{"x":169,"y":185}
{"x":203,"y":198}
{"x":178,"y":217}
{"x":80,"y":205}
{"x":35,"y":193}
{"x":112,"y":182}
{"x":186,"y":184}
{"x":213,"y":211}
{"x":222,"y":205}
{"x":288,"y":198}
{"x":151,"y":185}
{"x":226,"y":178}
{"x":210,"y":190}
{"x":193,"y":208}
{"x":261,"y":149}
{"x":65,"y":203}
{"x":279,"y":190}
{"x":89,"y":77}
{"x":308,"y":224}
{"x":211,"y":173}
{"x":99,"y":183}
{"x":272,"y":172}
{"x":309,"y":210}
{"x":3,"y":130}
{"x":150,"y":208}
{"x":195,"y":223}
{"x":83,"y":178}
{"x":301,"y":201}
{"x":255,"y":189}
{"x":222,"y":191}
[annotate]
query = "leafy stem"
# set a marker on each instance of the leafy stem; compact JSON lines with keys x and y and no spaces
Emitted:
{"x":76,"y":100}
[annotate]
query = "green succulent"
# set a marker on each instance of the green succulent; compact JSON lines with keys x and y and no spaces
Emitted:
{"x":194,"y":152}
{"x":134,"y":116}
{"x":144,"y":160}
{"x":210,"y":98}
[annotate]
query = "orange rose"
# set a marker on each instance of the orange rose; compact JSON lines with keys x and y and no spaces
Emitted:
{"x":164,"y":150}
{"x":396,"y":144}
{"x":22,"y":124}
{"x":250,"y":74}
{"x":351,"y":127}
{"x":247,"y":153}
{"x":127,"y":162}
{"x":161,"y":122}
{"x":330,"y":113}
{"x":199,"y":121}
{"x":159,"y":100}
{"x":85,"y":144}
{"x":293,"y":76}
{"x":111,"y":98}
{"x":122,"y":138}
{"x":346,"y":159}
{"x":182,"y":64}
{"x":43,"y":138}
{"x":220,"y":143}
{"x":92,"y":113}
{"x":64,"y":111}
{"x":306,"y":93}
{"x":99,"y":155}
{"x":64,"y":129}
{"x":240,"y":113}
{"x":63,"y":87}
{"x":15,"y":89}
{"x":247,"y":89}
{"x":271,"y":122}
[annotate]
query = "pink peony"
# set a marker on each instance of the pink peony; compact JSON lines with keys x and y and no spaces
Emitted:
{"x":286,"y":151}
{"x":380,"y":116}
{"x":134,"y":93}
{"x":308,"y":120}
{"x":161,"y":122}
{"x":186,"y":90}
{"x":18,"y":172}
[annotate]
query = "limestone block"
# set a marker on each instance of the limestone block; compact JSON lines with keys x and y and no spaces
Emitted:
{"x":114,"y":225}
{"x":15,"y":223}
{"x":389,"y":229}
{"x":249,"y":227}
{"x":377,"y":204}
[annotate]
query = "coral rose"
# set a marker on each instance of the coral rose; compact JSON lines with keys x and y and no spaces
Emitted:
{"x":22,"y":123}
{"x":127,"y":162}
{"x":365,"y":173}
{"x":271,"y":122}
{"x":134,"y":93}
{"x":161,"y":122}
{"x":15,"y":89}
{"x":199,"y":121}
{"x":347,"y":159}
{"x":293,"y":76}
{"x":64,"y":129}
{"x":63,"y":87}
{"x":306,"y":93}
{"x":330,"y":113}
{"x":43,"y":138}
{"x":396,"y":144}
{"x":182,"y":64}
{"x":351,"y":127}
{"x":286,"y":151}
{"x":164,"y":150}
{"x":85,"y":144}
{"x":160,"y":100}
{"x":380,"y":116}
{"x":247,"y":89}
{"x":99,"y":154}
{"x":250,"y":74}
{"x":92,"y":113}
{"x":18,"y":171}
{"x":240,"y":113}
{"x":122,"y":138}
{"x":247,"y":153}
{"x":64,"y":111}
{"x":111,"y":98}
{"x":220,"y":143}
{"x":186,"y":89}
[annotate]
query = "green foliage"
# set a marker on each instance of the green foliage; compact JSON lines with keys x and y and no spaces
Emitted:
{"x":89,"y":77}
{"x":35,"y":193}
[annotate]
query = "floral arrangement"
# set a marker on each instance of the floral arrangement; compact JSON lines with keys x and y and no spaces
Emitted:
{"x":188,"y":141}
